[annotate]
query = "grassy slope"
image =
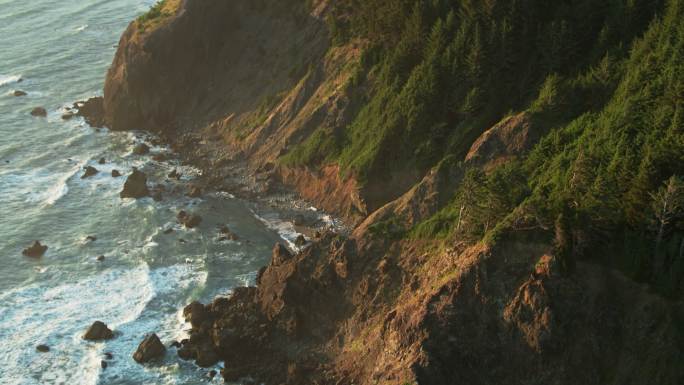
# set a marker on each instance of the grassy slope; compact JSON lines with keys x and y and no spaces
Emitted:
{"x":604,"y":80}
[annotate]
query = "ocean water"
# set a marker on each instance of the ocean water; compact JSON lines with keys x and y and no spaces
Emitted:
{"x":60,"y":50}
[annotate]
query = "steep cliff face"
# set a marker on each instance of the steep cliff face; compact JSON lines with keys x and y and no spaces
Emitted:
{"x":260,"y":82}
{"x":251,"y":77}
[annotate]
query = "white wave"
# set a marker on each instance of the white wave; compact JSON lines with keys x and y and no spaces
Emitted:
{"x":132,"y":302}
{"x":9,"y":79}
{"x":82,"y":28}
{"x":60,"y":188}
{"x":285,"y":229}
{"x":57,"y":316}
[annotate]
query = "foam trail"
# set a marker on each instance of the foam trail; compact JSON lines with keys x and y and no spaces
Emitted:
{"x":9,"y":79}
{"x":285,"y":229}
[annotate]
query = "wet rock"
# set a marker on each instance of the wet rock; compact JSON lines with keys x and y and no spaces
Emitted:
{"x":89,"y":171}
{"x":43,"y":348}
{"x":300,"y":241}
{"x":175,"y":174}
{"x":149,"y":349}
{"x":157,"y":196}
{"x":175,"y":344}
{"x":161,"y":157}
{"x":108,"y":355}
{"x":212,"y":374}
{"x":100,"y":258}
{"x":135,"y":186}
{"x":227,"y":235}
{"x":92,"y":110}
{"x":39,"y":112}
{"x":91,"y":238}
{"x":141,"y":149}
{"x":116,"y":173}
{"x":103,"y":364}
{"x":195,"y":192}
{"x":102,"y":161}
{"x":18,"y":93}
{"x":280,"y":254}
{"x":299,"y":220}
{"x":168,"y":231}
{"x":196,"y":314}
{"x":67,"y":115}
{"x":36,"y":250}
{"x":98,"y":331}
{"x":189,"y":220}
{"x":206,"y":356}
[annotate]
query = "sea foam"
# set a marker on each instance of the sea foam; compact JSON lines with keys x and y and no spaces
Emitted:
{"x":9,"y":79}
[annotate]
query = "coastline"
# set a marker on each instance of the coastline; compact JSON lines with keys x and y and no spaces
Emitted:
{"x":364,"y":306}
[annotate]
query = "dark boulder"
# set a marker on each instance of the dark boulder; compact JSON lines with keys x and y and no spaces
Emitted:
{"x":103,"y":364}
{"x":43,"y":348}
{"x":206,"y":356}
{"x":300,"y":241}
{"x":67,"y":115}
{"x":161,"y":157}
{"x":19,"y":93}
{"x":135,"y":186}
{"x":227,"y":235}
{"x":175,"y":174}
{"x":195,"y":192}
{"x":196,"y":314}
{"x":280,"y":254}
{"x":157,"y":196}
{"x":98,"y":331}
{"x":189,"y":220}
{"x":39,"y":111}
{"x":90,"y":238}
{"x":116,"y":173}
{"x":89,"y":171}
{"x":149,"y":349}
{"x":36,"y":250}
{"x":92,"y":110}
{"x":141,"y":149}
{"x":102,"y":161}
{"x":100,"y":258}
{"x":108,"y":355}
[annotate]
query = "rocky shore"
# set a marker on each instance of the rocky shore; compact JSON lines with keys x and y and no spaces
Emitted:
{"x":363,"y":307}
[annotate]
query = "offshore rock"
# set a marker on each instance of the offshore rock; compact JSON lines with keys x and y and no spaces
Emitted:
{"x":135,"y":186}
{"x":149,"y":349}
{"x":36,"y":250}
{"x":98,"y":331}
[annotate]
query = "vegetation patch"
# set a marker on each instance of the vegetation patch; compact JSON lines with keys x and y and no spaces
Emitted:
{"x":160,"y":11}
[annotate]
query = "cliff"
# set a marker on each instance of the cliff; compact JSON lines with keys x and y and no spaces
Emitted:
{"x":495,"y":187}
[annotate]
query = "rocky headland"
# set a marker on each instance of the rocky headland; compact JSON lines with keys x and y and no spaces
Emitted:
{"x":234,"y":86}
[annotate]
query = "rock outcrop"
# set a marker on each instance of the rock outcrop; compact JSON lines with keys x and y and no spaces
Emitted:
{"x":92,"y":110}
{"x":189,"y":220}
{"x":135,"y":185}
{"x":89,"y":171}
{"x":149,"y":349}
{"x":39,"y":112}
{"x":98,"y":331}
{"x":36,"y":250}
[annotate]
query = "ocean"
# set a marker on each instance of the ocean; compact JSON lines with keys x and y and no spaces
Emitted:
{"x":58,"y":53}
